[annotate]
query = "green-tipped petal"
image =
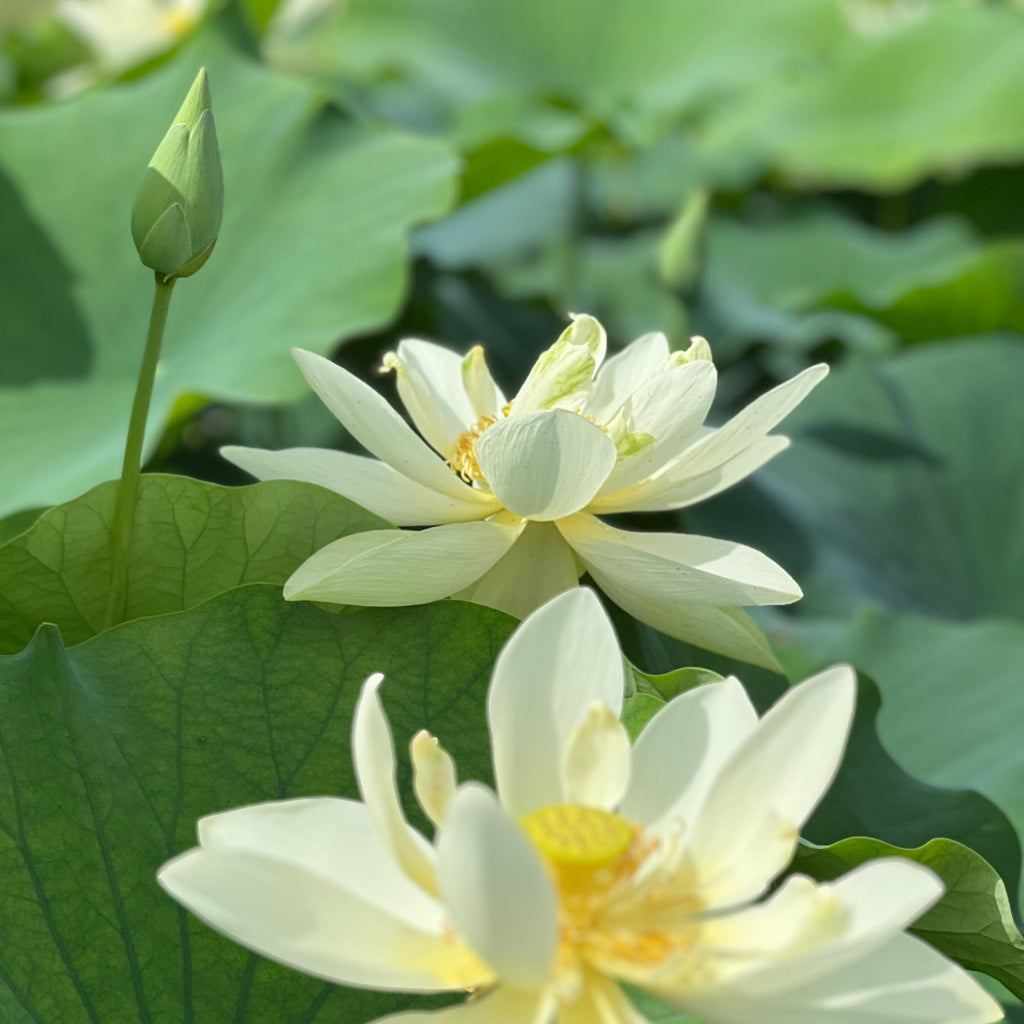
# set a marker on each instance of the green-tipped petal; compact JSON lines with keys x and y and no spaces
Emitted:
{"x":562,"y":376}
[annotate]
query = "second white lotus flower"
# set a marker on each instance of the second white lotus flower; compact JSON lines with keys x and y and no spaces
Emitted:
{"x":595,"y":863}
{"x":512,"y":490}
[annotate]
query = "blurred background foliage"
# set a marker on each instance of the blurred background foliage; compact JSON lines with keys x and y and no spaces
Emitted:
{"x":794,"y":179}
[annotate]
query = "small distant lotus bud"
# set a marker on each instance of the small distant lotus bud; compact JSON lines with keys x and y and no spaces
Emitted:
{"x":177,"y":212}
{"x":680,"y":254}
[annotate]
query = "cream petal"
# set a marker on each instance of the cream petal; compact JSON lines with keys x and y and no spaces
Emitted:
{"x":728,"y":631}
{"x":386,"y":568}
{"x":561,"y":377}
{"x":484,"y":395}
{"x":560,"y":661}
{"x":376,"y":426}
{"x":682,"y":749}
{"x":623,"y":373}
{"x":298,"y":919}
{"x":600,"y":1002}
{"x":373,"y":754}
{"x":504,"y":1006}
{"x":429,"y":382}
{"x":545,"y":465}
{"x":748,"y":426}
{"x":333,"y":839}
{"x":806,"y":930}
{"x":789,"y":943}
{"x":596,"y":760}
{"x":903,"y":980}
{"x":434,"y":776}
{"x":663,"y":493}
{"x":678,"y":567}
{"x":538,"y":567}
{"x":368,"y":482}
{"x":498,"y":891}
{"x":750,"y":821}
{"x":670,"y":408}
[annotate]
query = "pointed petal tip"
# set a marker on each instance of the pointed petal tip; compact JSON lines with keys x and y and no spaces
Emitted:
{"x":372,"y":683}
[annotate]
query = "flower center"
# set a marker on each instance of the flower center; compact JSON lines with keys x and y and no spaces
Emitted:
{"x":177,"y":23}
{"x":570,"y":836}
{"x":625,"y":904}
{"x":463,"y":457}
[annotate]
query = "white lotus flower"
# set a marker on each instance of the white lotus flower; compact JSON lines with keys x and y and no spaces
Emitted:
{"x":513,"y":498}
{"x":596,"y":862}
{"x":123,"y":33}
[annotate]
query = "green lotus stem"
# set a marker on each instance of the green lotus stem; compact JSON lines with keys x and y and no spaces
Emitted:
{"x":131,"y":468}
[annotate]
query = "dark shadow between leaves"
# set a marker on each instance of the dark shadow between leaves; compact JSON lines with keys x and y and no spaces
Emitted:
{"x":44,"y":335}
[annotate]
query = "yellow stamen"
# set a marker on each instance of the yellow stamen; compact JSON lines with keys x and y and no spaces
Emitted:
{"x":463,"y":457}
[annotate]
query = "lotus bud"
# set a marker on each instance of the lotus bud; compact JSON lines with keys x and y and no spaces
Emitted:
{"x":177,"y":212}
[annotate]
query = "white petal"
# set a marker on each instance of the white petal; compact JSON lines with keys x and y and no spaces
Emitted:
{"x":484,"y":395}
{"x":334,"y":839}
{"x":385,"y":568}
{"x":434,"y":776}
{"x":498,"y":891}
{"x":678,"y":567}
{"x":560,"y":661}
{"x":538,"y":567}
{"x":429,"y":381}
{"x":750,"y":821}
{"x":368,"y":482}
{"x":623,"y":373}
{"x":297,"y":918}
{"x":596,"y":760}
{"x":373,"y":754}
{"x":600,"y":1002}
{"x":728,"y":631}
{"x":562,"y":376}
{"x":670,"y":408}
{"x":663,"y":492}
{"x":505,"y":1006}
{"x":376,"y":426}
{"x":747,"y":426}
{"x":545,"y":465}
{"x":903,"y":980}
{"x":806,"y":930}
{"x":681,"y":751}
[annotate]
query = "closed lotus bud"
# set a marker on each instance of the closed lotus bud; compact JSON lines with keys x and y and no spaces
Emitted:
{"x":177,"y":212}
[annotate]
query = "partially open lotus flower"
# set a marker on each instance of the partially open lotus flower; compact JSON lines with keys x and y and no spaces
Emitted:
{"x":122,"y":33}
{"x":512,"y":489}
{"x":595,"y":863}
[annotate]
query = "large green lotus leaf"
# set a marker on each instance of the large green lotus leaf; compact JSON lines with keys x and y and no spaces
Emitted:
{"x":885,"y":111}
{"x":952,"y":698}
{"x":312,"y":249}
{"x":986,"y":294}
{"x":799,"y":262}
{"x":801,"y":280}
{"x":904,"y":485}
{"x":111,"y":750}
{"x":192,"y":541}
{"x":972,"y":923}
{"x":638,"y":62}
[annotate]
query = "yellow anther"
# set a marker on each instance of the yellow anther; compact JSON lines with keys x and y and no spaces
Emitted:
{"x":572,"y":836}
{"x":463,"y":458}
